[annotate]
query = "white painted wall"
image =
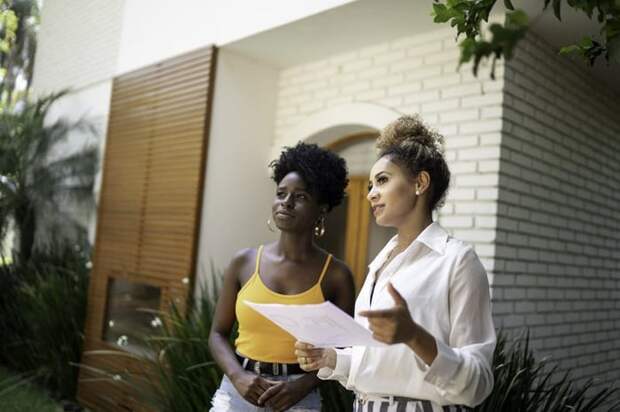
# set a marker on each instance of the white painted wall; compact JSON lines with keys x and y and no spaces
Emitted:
{"x":78,"y":50}
{"x":155,"y":31}
{"x":238,"y":192}
{"x":92,"y":104}
{"x":77,"y":44}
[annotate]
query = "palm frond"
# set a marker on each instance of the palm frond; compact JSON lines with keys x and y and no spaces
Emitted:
{"x":42,"y":177}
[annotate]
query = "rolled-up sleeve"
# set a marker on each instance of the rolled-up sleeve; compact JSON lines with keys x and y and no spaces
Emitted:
{"x":340,"y":372}
{"x":462,"y":371}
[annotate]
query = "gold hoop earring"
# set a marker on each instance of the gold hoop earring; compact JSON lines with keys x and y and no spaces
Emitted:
{"x":319,"y":229}
{"x":270,"y":225}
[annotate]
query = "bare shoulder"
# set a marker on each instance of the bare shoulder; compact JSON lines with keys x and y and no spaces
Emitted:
{"x":243,"y":256}
{"x":338,"y":276}
{"x":241,"y":265}
{"x":338,"y":285}
{"x":339,"y":271}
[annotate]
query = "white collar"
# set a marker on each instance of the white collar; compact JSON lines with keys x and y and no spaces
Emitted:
{"x":433,"y":236}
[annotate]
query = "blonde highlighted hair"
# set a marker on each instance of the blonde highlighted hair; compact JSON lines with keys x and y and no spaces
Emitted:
{"x":411,"y":144}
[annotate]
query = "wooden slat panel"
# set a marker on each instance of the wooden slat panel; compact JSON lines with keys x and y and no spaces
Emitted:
{"x":151,"y":197}
{"x":150,"y":96}
{"x":188,"y":103}
{"x":152,"y":74}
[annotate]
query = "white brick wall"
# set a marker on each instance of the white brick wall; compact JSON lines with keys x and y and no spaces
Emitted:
{"x":416,"y":74}
{"x":558,"y":229}
{"x":78,"y":44}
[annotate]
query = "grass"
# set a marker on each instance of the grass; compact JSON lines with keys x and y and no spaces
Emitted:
{"x":18,"y":395}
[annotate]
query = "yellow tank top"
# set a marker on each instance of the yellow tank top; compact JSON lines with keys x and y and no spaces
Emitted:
{"x":259,"y":338}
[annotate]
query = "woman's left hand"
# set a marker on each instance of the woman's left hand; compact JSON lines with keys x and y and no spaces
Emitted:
{"x":393,"y":325}
{"x":283,"y":395}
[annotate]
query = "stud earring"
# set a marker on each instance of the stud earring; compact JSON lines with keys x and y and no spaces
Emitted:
{"x":417,"y":192}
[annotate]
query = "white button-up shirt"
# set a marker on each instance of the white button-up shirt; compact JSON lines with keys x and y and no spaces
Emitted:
{"x":447,"y":292}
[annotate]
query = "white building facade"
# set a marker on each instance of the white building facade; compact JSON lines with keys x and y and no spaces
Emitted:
{"x":534,"y":154}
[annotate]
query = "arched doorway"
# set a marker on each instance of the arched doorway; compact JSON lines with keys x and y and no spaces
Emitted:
{"x":352,"y":234}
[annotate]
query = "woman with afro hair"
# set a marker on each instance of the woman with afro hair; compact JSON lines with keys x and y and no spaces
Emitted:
{"x":426,"y":296}
{"x":261,"y":371}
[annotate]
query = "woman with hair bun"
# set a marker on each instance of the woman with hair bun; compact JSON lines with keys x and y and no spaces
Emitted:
{"x":426,"y":295}
{"x":261,"y":371}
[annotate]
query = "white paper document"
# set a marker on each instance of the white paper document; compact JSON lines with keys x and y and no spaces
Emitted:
{"x":322,"y":324}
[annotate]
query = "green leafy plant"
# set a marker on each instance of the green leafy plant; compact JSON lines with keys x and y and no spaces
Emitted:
{"x":8,"y":23}
{"x":525,"y":384}
{"x":177,"y":372}
{"x":10,"y":383}
{"x":34,"y":186}
{"x":467,"y":17}
{"x":19,"y":23}
{"x":183,"y":374}
{"x":18,"y":394}
{"x":42,"y":314}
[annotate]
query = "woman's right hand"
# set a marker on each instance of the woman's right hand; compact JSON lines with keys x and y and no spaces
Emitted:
{"x":251,"y":386}
{"x":311,"y":358}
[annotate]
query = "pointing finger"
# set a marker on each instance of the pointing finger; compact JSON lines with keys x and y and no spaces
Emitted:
{"x":398,"y":299}
{"x":378,"y":314}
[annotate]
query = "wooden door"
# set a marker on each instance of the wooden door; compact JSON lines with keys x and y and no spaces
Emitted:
{"x":356,"y":234}
{"x":149,"y":214}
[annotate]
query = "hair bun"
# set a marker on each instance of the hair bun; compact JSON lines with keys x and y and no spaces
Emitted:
{"x":407,"y":132}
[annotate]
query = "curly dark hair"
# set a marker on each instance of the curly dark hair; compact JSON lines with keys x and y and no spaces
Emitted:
{"x":323,"y":171}
{"x":413,"y":145}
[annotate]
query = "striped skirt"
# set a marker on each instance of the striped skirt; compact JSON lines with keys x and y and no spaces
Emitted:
{"x":401,"y":404}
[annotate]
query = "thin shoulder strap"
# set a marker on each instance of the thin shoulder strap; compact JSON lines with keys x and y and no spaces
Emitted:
{"x":325,"y":266}
{"x":258,"y":254}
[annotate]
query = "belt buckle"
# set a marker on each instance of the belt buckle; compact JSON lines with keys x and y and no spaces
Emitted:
{"x":275,"y":368}
{"x":257,"y":367}
{"x":363,"y":398}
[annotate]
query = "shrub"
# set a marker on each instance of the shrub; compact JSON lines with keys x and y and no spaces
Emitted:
{"x":42,"y":314}
{"x":525,"y":384}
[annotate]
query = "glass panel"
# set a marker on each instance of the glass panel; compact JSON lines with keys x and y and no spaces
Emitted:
{"x":335,"y":235}
{"x":131,"y":314}
{"x":378,"y":236}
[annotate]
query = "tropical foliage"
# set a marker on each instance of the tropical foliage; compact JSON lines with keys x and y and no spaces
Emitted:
{"x":19,"y":23}
{"x":42,"y":314}
{"x":467,"y":17}
{"x":525,"y":384}
{"x":18,"y":395}
{"x":36,"y":183}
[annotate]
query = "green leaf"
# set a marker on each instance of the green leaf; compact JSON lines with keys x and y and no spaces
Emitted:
{"x":468,"y":47}
{"x":440,"y":13}
{"x":611,"y":28}
{"x":613,"y":50}
{"x":568,"y":50}
{"x":586,"y":42}
{"x":517,"y":19}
